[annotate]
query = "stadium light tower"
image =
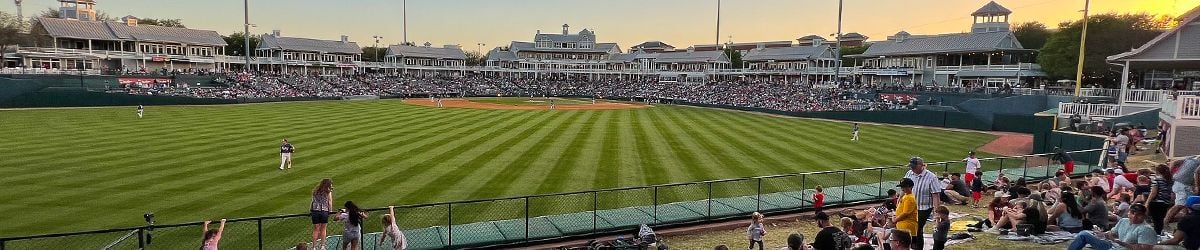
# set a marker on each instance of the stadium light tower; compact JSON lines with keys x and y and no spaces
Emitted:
{"x":837,"y":52}
{"x":718,"y":40}
{"x":20,"y":16}
{"x":377,"y":59}
{"x":246,"y":34}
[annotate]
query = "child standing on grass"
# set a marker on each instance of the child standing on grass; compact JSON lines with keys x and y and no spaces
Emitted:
{"x":906,"y":209}
{"x":942,"y":220}
{"x":818,"y":199}
{"x":977,"y":189}
{"x":756,"y":231}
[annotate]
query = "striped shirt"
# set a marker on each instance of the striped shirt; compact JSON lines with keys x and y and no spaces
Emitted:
{"x":927,"y":185}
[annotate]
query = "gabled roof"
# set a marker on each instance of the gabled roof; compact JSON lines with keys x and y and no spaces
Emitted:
{"x":1164,"y":47}
{"x":945,"y":43}
{"x":653,"y":44}
{"x":516,"y":46}
{"x":992,"y":9}
{"x":810,"y":38}
{"x":166,"y":34}
{"x":853,"y":36}
{"x":116,"y":31}
{"x":788,"y":53}
{"x":70,"y":28}
{"x":308,"y":44}
{"x":501,"y":55}
{"x":426,"y":52}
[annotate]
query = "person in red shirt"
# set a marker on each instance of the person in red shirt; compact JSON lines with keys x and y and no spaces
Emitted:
{"x":819,"y":199}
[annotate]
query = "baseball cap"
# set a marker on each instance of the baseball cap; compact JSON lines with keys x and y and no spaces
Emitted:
{"x":1001,"y":194}
{"x":1193,"y":202}
{"x":913,"y":162}
{"x":906,"y":182}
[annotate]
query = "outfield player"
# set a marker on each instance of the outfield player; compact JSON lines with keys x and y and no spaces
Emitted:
{"x":551,"y":104}
{"x":854,"y":135}
{"x":285,"y":154}
{"x":141,"y":110}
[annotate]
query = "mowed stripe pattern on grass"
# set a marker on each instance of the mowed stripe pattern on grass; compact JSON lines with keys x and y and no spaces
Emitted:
{"x":77,"y":169}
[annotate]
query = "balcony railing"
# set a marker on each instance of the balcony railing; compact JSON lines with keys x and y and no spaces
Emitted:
{"x":1114,"y":93}
{"x":1184,"y":107}
{"x":1089,"y":110}
{"x":1144,"y":96}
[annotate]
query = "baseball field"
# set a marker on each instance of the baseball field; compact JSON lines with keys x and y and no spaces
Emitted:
{"x":92,"y":168}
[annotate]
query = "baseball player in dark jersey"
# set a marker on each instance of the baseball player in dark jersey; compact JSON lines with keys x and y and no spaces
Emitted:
{"x":285,"y":154}
{"x":854,"y":135}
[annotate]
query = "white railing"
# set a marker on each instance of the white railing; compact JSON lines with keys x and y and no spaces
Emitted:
{"x":1114,"y":93}
{"x":1189,"y":107}
{"x":1187,"y":92}
{"x":1144,"y":96}
{"x":42,"y":71}
{"x":1006,"y":67}
{"x":1089,"y":110}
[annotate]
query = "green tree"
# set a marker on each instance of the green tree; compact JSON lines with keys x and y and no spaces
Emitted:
{"x":177,"y":23}
{"x":1108,"y":34}
{"x":474,"y":58}
{"x":735,"y":58}
{"x":372,"y":54}
{"x":10,"y":33}
{"x":1032,"y":35}
{"x":237,"y":45}
{"x":846,"y":51}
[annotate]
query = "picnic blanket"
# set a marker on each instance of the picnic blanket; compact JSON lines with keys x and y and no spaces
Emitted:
{"x":1049,"y":238}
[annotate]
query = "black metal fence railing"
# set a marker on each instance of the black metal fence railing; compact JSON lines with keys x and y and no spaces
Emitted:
{"x":520,"y":220}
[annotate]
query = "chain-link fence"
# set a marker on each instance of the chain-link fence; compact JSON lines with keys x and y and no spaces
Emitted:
{"x":491,"y":222}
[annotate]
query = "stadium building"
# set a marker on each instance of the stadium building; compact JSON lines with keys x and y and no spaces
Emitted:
{"x":1164,"y":74}
{"x":448,"y":60}
{"x":554,"y":55}
{"x":306,"y":55}
{"x":806,"y":63}
{"x":64,"y":45}
{"x":988,"y":56}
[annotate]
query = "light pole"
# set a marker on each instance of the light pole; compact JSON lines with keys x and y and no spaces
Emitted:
{"x":377,"y":59}
{"x":1082,"y":43}
{"x":837,"y":52}
{"x":718,"y":40}
{"x":479,"y":48}
{"x":404,"y":19}
{"x":246,"y":34}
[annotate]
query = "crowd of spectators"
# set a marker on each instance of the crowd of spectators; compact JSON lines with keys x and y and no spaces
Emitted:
{"x":771,"y":95}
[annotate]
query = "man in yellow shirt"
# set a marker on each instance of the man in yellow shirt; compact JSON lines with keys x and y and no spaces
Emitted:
{"x":906,"y":210}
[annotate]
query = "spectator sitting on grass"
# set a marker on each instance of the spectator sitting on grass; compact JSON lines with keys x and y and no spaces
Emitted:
{"x":1066,"y":214}
{"x":1134,"y":232}
{"x":958,"y":191}
{"x":1096,"y":210}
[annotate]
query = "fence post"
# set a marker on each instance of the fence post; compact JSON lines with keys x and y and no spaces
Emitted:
{"x":803,"y":178}
{"x":141,"y":238}
{"x":758,"y":200}
{"x":945,"y":167}
{"x":595,"y":209}
{"x":880,"y":194}
{"x":843,"y":187}
{"x":526,"y":218}
{"x":655,"y":215}
{"x":260,"y":234}
{"x":2,"y":244}
{"x":1048,"y":175}
{"x":709,"y":214}
{"x":1025,"y":171}
{"x":449,"y":225}
{"x":1001,"y":166}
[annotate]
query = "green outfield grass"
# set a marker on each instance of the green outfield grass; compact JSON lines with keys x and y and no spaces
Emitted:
{"x":526,"y":101}
{"x":79,"y":169}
